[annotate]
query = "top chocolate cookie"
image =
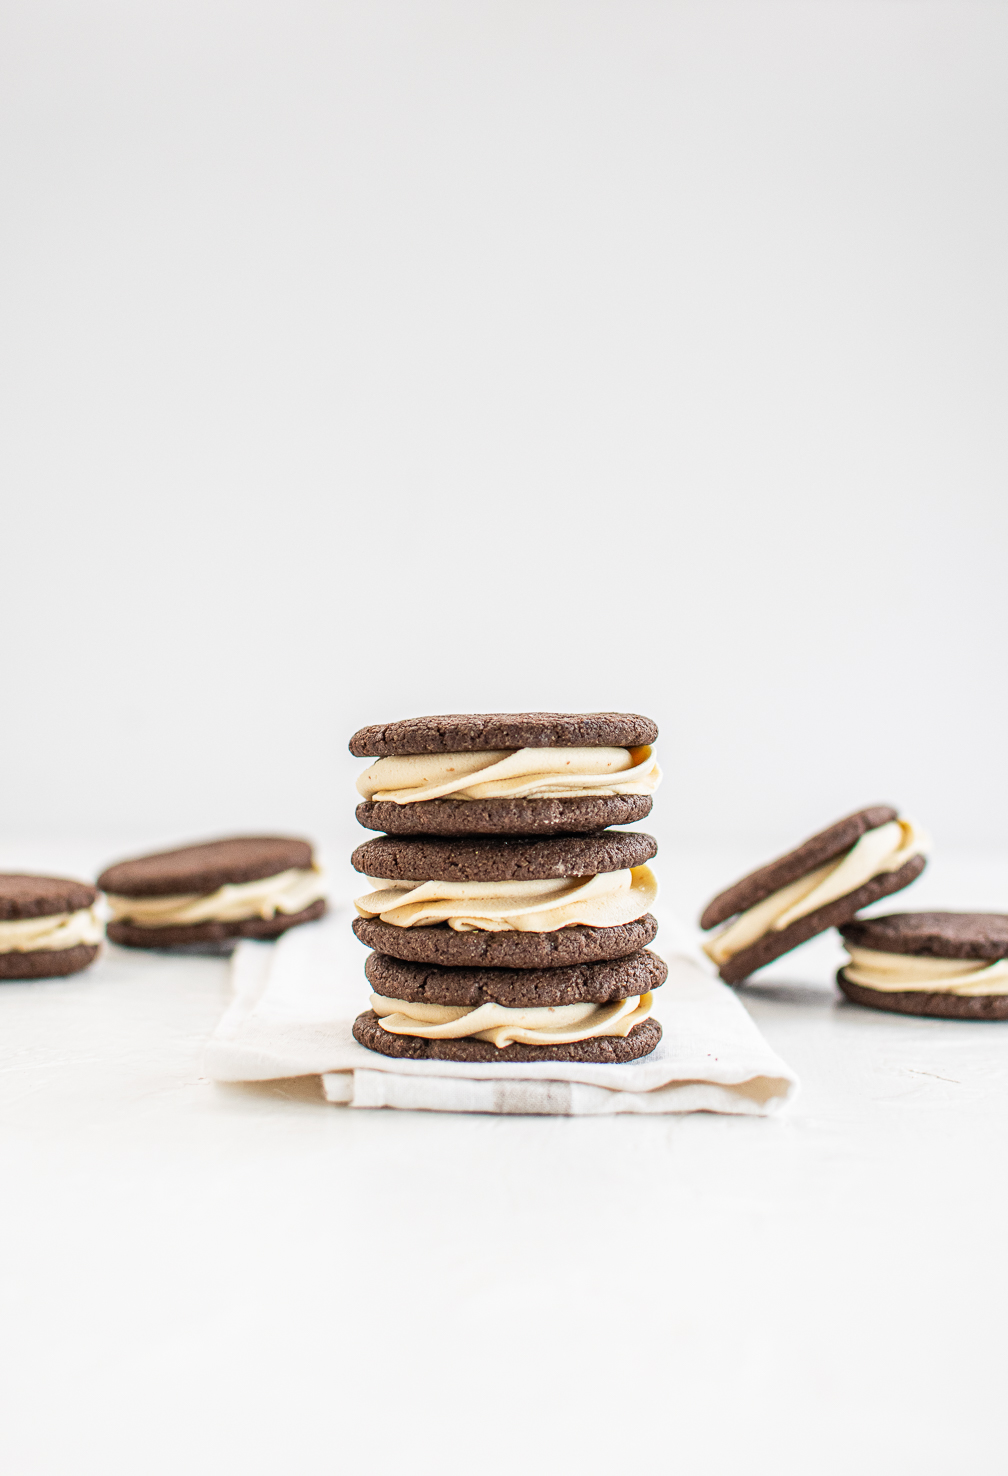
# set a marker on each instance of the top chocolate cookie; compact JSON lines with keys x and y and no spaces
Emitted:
{"x":811,"y":854}
{"x":481,"y":731}
{"x":23,"y":897}
{"x":979,"y":935}
{"x":201,"y":869}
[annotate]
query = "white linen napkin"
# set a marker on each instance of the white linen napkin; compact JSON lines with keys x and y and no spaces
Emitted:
{"x":295,"y":1002}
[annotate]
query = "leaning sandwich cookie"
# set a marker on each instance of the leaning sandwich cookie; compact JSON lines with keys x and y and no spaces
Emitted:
{"x":49,"y":926}
{"x":953,"y":965}
{"x":241,"y":887}
{"x":528,"y":773}
{"x":822,"y":884}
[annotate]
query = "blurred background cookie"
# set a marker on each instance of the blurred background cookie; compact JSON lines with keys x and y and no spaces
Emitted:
{"x":252,"y":886}
{"x":49,"y":926}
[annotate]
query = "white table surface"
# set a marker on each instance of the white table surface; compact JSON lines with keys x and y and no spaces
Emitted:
{"x":201,"y":1278}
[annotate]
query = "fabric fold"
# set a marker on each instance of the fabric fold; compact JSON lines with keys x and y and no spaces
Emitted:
{"x":295,"y":1002}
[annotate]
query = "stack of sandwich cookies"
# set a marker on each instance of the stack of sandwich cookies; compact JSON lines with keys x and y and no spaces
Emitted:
{"x":822,"y":884}
{"x":243,"y":887}
{"x":503,"y":938}
{"x":953,"y":965}
{"x":49,"y":926}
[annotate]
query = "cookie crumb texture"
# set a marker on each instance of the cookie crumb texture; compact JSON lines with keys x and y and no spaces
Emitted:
{"x":470,"y":859}
{"x":601,"y":1050}
{"x":594,"y":983}
{"x":476,"y":732}
{"x":447,"y":948}
{"x":503,"y":816}
{"x":201,"y":869}
{"x":970,"y":935}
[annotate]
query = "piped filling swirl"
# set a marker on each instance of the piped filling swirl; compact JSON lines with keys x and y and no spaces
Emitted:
{"x":548,"y":1025}
{"x":608,"y":899}
{"x":45,"y":934}
{"x":523,"y":773}
{"x":288,"y":892}
{"x":897,"y":973}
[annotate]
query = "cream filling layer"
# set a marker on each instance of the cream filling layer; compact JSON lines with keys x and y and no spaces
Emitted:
{"x":552,"y":1025}
{"x":604,"y":901}
{"x":289,"y":891}
{"x":61,"y":930}
{"x":884,"y":849}
{"x":895,"y":973}
{"x":522,"y":773}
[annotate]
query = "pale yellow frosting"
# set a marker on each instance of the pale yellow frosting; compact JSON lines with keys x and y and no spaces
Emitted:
{"x":523,"y":773}
{"x":604,"y":901}
{"x":62,"y":930}
{"x":552,"y":1025}
{"x":897,"y":972}
{"x":884,"y":849}
{"x":290,"y":891}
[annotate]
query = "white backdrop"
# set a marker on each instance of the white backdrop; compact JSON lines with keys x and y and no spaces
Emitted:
{"x":369,"y":360}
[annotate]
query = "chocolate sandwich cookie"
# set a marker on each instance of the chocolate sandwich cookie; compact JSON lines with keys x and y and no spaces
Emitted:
{"x":605,"y":1050}
{"x":241,"y":887}
{"x":595,"y":983}
{"x":442,"y":947}
{"x":532,"y":773}
{"x":504,"y":816}
{"x":507,"y":901}
{"x":48,"y":926}
{"x":463,"y":732}
{"x":953,"y":965}
{"x":503,"y":859}
{"x":821,"y":884}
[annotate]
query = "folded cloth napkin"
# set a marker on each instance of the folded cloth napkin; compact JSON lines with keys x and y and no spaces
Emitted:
{"x":295,"y":1002}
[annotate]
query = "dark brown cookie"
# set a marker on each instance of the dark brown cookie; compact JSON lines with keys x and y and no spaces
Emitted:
{"x":810,"y":855}
{"x":607,"y":1050}
{"x":974,"y":935}
{"x":596,"y":983}
{"x":466,"y":859}
{"x":504,"y":816}
{"x":131,"y":935}
{"x":23,"y":896}
{"x":774,"y":945}
{"x":201,"y":869}
{"x":476,"y":732}
{"x":927,"y":1002}
{"x":47,"y":963}
{"x":443,"y":947}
